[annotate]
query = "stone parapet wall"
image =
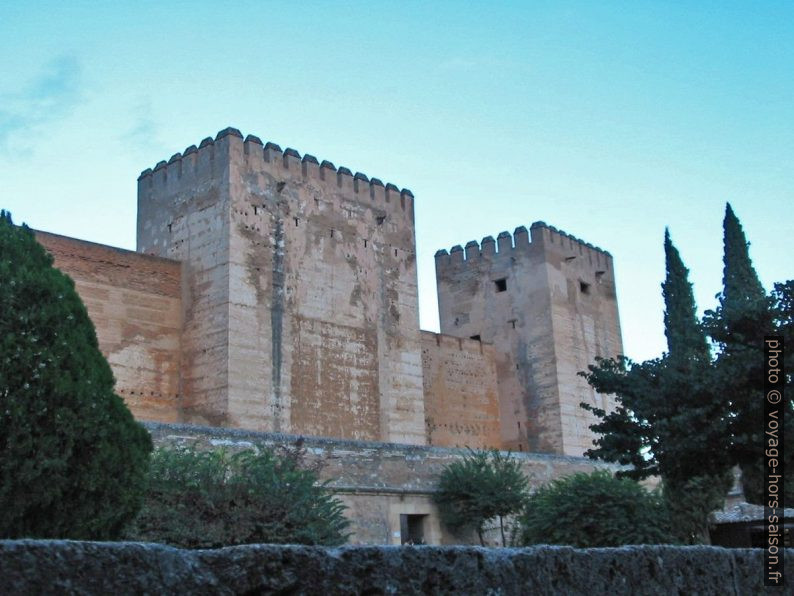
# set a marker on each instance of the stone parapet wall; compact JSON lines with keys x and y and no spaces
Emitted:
{"x":45,"y":567}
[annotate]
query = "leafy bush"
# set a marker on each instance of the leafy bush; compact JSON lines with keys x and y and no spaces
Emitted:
{"x":482,"y":486}
{"x":690,"y":503}
{"x":207,"y":499}
{"x":589,"y":510}
{"x":72,"y":458}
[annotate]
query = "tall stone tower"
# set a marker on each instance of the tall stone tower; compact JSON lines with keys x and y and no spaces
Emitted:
{"x":299,"y":299}
{"x":548,"y":305}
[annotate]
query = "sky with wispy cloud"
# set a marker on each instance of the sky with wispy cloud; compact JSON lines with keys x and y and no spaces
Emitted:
{"x":45,"y":99}
{"x":609,"y":120}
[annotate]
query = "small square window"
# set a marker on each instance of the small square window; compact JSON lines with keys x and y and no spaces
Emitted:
{"x":500,"y":284}
{"x":476,"y":337}
{"x":584,"y":287}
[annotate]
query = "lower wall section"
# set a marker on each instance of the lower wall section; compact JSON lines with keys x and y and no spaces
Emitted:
{"x":45,"y":567}
{"x":379,"y":482}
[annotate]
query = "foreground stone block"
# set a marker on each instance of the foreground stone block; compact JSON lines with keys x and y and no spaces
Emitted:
{"x":59,"y":566}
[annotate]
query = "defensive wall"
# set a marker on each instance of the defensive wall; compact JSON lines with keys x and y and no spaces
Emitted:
{"x":379,"y":482}
{"x":278,"y":293}
{"x":546,"y":300}
{"x":134,"y":301}
{"x":460,"y":389}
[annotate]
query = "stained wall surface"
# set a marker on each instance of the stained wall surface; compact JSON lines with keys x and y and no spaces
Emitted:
{"x":301,"y":307}
{"x":134,"y":302}
{"x":549,"y":308}
{"x":460,"y":388}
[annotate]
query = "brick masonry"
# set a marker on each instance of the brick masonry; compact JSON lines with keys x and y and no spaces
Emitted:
{"x":134,"y":301}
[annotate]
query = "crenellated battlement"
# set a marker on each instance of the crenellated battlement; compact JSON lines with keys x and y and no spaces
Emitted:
{"x":569,"y":247}
{"x":540,"y":237}
{"x":455,"y":343}
{"x":505,"y":244}
{"x":564,"y":239}
{"x":206,"y":160}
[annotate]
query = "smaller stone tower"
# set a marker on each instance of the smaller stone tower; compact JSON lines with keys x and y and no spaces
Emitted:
{"x":548,"y":305}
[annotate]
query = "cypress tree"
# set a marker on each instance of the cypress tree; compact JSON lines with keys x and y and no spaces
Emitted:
{"x":743,"y":302}
{"x":686,"y":340}
{"x":72,"y":458}
{"x":699,"y":476}
{"x":738,"y":326}
{"x":670,"y":421}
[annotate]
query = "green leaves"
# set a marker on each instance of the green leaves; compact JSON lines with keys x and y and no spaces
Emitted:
{"x":690,"y":417}
{"x":207,"y":499}
{"x":594,"y":510}
{"x":72,"y":459}
{"x":482,"y":486}
{"x":686,"y":341}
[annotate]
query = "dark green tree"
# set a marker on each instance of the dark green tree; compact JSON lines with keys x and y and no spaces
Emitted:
{"x":209,"y":499}
{"x":72,"y":459}
{"x":745,"y":315}
{"x":670,"y":421}
{"x":687,"y":346}
{"x":482,"y":486}
{"x":594,"y":510}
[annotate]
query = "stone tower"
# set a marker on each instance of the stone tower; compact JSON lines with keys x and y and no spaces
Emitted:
{"x":548,"y":305}
{"x":300,"y":309}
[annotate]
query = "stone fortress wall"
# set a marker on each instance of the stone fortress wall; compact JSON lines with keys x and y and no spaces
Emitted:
{"x":460,"y":389}
{"x":135,"y":303}
{"x":273,"y":293}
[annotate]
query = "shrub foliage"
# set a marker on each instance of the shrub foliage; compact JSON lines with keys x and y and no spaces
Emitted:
{"x":594,"y":510}
{"x":72,"y":458}
{"x":209,"y":499}
{"x":482,"y":486}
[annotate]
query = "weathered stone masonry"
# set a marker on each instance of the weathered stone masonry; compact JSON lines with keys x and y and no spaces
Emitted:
{"x":300,"y":302}
{"x":36,"y":567}
{"x":277,"y":293}
{"x":546,"y":301}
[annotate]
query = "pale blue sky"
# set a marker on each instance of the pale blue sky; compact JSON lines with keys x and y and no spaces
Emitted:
{"x":608,"y":120}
